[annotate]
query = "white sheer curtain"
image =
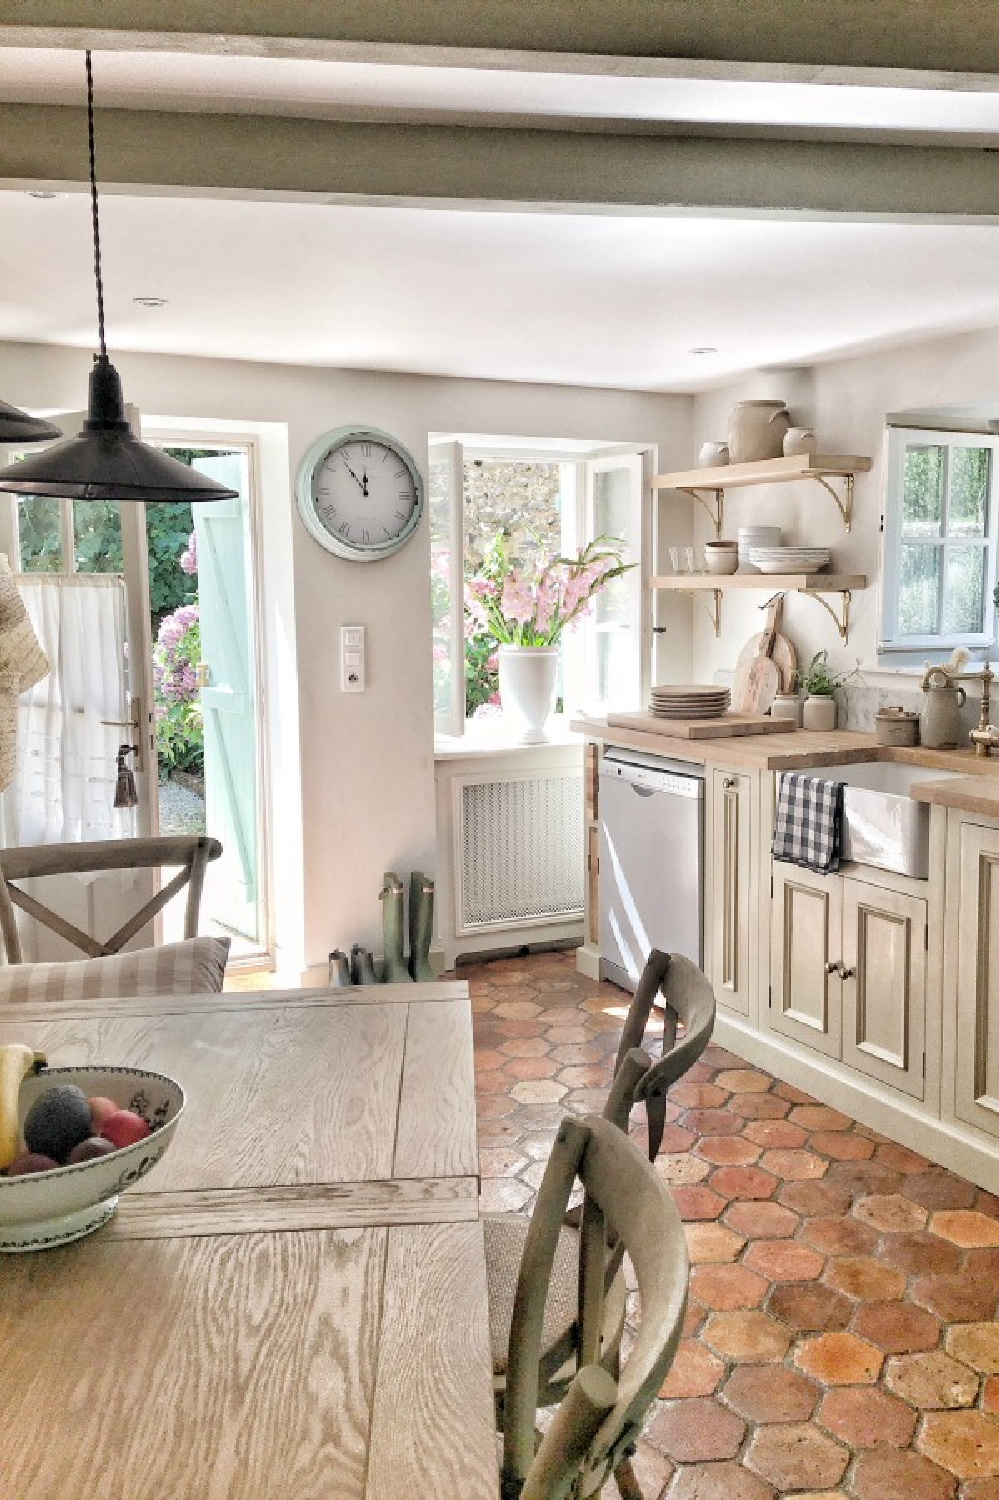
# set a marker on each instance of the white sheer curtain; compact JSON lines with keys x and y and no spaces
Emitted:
{"x":63,"y":789}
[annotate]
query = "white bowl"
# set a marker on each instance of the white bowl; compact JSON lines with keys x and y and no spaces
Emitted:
{"x":51,"y":1208}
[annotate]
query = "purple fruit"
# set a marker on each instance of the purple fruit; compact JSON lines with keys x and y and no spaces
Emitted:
{"x":90,"y":1149}
{"x":30,"y":1161}
{"x":58,"y":1120}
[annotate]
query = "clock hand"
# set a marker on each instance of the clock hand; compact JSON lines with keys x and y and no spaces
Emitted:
{"x":364,"y":486}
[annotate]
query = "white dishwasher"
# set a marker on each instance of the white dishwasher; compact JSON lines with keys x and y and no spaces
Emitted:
{"x":651,"y":862}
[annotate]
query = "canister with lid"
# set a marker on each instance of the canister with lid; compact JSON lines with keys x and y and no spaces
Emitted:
{"x":896,"y":726}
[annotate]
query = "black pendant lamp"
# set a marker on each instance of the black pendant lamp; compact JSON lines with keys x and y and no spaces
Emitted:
{"x":17,"y":427}
{"x":106,"y":462}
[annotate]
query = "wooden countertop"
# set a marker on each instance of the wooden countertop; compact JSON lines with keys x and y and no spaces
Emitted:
{"x":801,"y":748}
{"x":974,"y":794}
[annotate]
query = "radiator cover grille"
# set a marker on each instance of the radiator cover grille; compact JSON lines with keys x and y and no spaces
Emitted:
{"x":520,"y":846}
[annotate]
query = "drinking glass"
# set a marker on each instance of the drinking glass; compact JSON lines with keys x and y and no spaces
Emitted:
{"x":688,"y":560}
{"x":674,"y":559}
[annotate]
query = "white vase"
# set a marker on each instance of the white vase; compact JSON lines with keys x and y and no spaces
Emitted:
{"x":528,"y":687}
{"x":819,"y":712}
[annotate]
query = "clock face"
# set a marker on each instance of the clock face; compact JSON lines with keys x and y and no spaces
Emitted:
{"x":360,"y":493}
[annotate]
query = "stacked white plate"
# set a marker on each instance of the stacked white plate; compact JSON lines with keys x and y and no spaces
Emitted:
{"x":755,"y":536}
{"x":789,"y":559}
{"x":689,"y":701}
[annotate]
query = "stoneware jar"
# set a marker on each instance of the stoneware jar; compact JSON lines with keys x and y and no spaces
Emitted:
{"x":787,"y":706}
{"x":756,"y":430}
{"x":712,"y":454}
{"x":799,"y":440}
{"x":819,"y":712}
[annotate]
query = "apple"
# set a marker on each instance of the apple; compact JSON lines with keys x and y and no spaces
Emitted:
{"x":124,"y":1128}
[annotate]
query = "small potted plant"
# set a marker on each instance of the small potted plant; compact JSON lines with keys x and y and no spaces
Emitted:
{"x":819,"y":685}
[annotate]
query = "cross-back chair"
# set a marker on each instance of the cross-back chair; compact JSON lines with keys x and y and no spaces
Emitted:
{"x":192,"y":852}
{"x":625,"y":1203}
{"x":686,"y":999}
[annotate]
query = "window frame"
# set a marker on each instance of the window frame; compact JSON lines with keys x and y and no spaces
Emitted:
{"x":893,"y":643}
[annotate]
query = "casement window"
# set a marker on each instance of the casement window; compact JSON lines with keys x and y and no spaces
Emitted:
{"x":940,"y":541}
{"x":552,"y":499}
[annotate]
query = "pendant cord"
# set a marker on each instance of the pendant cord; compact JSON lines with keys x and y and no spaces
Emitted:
{"x":93,"y":207}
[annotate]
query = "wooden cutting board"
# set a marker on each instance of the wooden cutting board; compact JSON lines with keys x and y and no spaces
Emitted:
{"x":784,"y":655}
{"x":702,"y":729}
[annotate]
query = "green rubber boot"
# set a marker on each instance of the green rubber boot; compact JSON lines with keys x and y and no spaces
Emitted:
{"x":394,"y":970}
{"x":421,"y":926}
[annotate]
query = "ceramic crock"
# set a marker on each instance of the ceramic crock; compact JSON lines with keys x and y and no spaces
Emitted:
{"x":756,"y":430}
{"x":819,"y":712}
{"x":712,"y":454}
{"x":940,"y":726}
{"x":799,"y":440}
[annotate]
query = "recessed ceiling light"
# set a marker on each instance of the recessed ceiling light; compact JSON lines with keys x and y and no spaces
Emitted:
{"x":703,"y":349}
{"x":150,"y":301}
{"x":38,"y":193}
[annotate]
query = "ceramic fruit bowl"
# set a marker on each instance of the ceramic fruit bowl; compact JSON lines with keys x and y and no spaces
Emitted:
{"x":50,"y":1208}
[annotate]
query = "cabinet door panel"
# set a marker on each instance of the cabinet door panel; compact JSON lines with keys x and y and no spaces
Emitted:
{"x":884,"y":984}
{"x":731,"y":856}
{"x":977,"y":957}
{"x":805,"y":998}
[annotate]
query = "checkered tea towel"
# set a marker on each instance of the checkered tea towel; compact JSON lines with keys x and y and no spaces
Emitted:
{"x":808,"y":828}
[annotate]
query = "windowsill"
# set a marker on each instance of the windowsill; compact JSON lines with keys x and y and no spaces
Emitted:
{"x":493,"y":737}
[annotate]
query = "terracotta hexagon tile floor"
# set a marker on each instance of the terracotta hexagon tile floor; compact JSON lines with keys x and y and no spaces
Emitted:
{"x":841,"y":1336}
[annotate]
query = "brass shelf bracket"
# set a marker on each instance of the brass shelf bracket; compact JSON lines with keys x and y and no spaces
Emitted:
{"x":842,"y":623}
{"x":713,"y":608}
{"x":844,"y":502}
{"x":716,"y":510}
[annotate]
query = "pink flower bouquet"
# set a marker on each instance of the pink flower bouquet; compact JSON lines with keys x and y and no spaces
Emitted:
{"x":521,"y":607}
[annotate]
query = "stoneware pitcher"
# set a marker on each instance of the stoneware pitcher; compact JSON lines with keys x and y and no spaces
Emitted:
{"x":940,"y":727}
{"x":756,"y":430}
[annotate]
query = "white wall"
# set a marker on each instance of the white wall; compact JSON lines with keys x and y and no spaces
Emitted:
{"x":367,"y":788}
{"x":846,"y":400}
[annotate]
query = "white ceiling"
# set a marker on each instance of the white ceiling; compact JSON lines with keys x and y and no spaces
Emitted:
{"x":615,"y":300}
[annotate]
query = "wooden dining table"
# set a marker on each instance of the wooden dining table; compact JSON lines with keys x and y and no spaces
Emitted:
{"x":294,"y":1302}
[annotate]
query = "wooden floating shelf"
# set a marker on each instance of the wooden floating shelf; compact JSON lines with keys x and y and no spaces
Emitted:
{"x":805,"y":583}
{"x":813,"y":584}
{"x":818,"y":467}
{"x":764,"y":471}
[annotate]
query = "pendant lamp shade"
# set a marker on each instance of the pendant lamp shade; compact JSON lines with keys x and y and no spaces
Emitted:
{"x":17,"y":427}
{"x":105,"y":462}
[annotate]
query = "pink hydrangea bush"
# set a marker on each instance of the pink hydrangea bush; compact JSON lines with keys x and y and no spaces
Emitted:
{"x":180,"y":738}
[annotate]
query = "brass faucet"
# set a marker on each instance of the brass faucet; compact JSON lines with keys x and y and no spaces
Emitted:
{"x":986,"y":737}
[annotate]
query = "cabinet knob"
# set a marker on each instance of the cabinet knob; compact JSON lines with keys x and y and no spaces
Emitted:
{"x":848,"y":973}
{"x":729,"y":782}
{"x":834,"y":966}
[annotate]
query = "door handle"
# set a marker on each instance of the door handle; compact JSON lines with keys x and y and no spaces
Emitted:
{"x":847,"y":973}
{"x":203,"y":674}
{"x":834,"y":967}
{"x":135,"y":724}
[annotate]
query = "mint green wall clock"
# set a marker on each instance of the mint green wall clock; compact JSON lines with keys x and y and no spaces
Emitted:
{"x":360,"y":493}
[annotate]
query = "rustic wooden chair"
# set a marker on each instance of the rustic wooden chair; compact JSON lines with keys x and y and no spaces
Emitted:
{"x":593,"y":1432}
{"x":686,"y":999}
{"x":191,"y":851}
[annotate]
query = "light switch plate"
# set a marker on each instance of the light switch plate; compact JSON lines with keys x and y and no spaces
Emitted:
{"x":352,"y":658}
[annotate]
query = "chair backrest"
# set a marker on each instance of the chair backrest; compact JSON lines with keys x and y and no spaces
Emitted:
{"x":191,"y":851}
{"x":686,"y":999}
{"x":625,"y":1202}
